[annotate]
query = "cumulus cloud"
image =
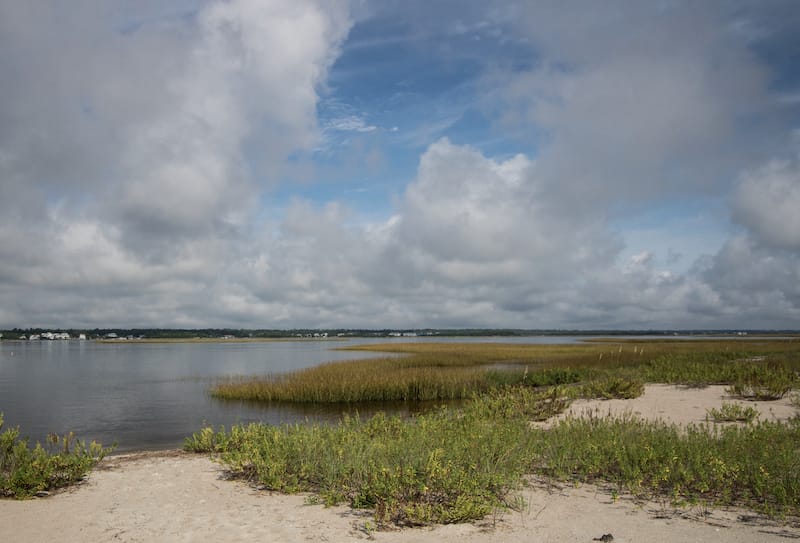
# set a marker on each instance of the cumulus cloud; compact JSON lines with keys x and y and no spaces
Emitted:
{"x":124,"y":166}
{"x":135,"y":159}
{"x":632,"y":103}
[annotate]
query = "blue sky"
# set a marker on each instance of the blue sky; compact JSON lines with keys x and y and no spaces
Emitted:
{"x":400,"y":164}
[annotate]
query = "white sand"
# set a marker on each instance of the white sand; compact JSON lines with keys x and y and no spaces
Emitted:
{"x":172,"y":496}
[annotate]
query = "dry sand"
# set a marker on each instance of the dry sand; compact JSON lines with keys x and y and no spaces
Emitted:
{"x":172,"y":496}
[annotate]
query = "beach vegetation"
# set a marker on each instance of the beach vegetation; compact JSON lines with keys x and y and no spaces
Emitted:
{"x":417,"y":372}
{"x":733,"y":412}
{"x":442,"y":467}
{"x":27,"y":471}
{"x":754,"y":465}
{"x":460,"y":464}
{"x":466,"y":459}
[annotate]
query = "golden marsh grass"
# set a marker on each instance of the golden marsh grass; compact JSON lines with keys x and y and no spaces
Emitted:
{"x":445,"y":371}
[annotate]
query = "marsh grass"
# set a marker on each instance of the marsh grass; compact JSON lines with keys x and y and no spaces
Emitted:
{"x":447,"y":371}
{"x":459,"y":464}
{"x":456,"y":465}
{"x":26,"y":471}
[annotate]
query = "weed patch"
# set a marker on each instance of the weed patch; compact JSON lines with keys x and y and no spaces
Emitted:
{"x":733,"y":412}
{"x":25,"y":471}
{"x":754,"y":465}
{"x":437,"y":468}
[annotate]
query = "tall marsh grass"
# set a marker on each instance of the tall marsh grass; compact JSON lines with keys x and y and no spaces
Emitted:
{"x":446,"y":371}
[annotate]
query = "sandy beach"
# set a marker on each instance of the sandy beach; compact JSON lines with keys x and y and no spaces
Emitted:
{"x":174,"y":496}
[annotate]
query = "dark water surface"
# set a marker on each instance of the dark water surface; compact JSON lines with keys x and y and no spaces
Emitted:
{"x":153,"y":395}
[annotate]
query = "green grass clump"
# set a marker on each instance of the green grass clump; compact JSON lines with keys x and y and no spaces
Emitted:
{"x":733,"y":412}
{"x":612,"y":388}
{"x":441,"y":467}
{"x":25,"y":471}
{"x":359,"y":381}
{"x":754,"y":465}
{"x":533,"y":405}
{"x":763,"y":381}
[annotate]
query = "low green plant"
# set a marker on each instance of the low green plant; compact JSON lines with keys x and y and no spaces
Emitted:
{"x":535,"y":405}
{"x":733,"y":412}
{"x":754,"y":465}
{"x":613,"y":388}
{"x":763,"y":382}
{"x":443,"y":467}
{"x":26,"y":471}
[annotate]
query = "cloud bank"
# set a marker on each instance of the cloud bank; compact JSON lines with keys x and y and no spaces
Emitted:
{"x":139,"y":151}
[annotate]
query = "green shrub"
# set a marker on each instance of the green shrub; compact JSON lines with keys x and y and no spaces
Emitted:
{"x":512,"y":402}
{"x":733,"y":412}
{"x":439,"y":467}
{"x":763,"y":381}
{"x":25,"y":471}
{"x":754,"y":465}
{"x":613,"y":388}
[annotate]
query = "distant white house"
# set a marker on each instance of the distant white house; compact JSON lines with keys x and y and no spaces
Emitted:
{"x":82,"y":337}
{"x":34,"y":337}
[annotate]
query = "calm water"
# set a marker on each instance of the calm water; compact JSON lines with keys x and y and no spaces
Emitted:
{"x":153,"y":395}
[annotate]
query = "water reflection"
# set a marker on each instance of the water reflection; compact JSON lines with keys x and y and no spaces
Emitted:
{"x":147,"y":396}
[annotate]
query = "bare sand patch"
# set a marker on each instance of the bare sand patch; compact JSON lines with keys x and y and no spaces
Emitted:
{"x":175,"y":497}
{"x":677,"y":404}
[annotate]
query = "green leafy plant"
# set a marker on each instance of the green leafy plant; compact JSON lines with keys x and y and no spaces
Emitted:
{"x":695,"y":464}
{"x":733,"y":412}
{"x":25,"y":471}
{"x":613,"y":387}
{"x":763,"y":382}
{"x":446,"y":466}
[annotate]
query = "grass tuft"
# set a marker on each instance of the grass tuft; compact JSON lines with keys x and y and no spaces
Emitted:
{"x":733,"y":412}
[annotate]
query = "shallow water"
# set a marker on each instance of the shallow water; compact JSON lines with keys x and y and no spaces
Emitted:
{"x":153,"y":395}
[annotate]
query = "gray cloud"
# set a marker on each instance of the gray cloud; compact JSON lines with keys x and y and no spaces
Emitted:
{"x":134,"y":157}
{"x":767,"y":202}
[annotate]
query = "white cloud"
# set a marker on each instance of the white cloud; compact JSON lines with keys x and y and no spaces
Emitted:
{"x":351,"y":123}
{"x":634,"y":105}
{"x":132,"y":176}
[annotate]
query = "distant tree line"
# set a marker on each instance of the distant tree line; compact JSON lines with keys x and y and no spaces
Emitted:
{"x":242,"y":333}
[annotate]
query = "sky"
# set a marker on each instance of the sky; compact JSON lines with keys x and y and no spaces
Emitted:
{"x":400,"y":164}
